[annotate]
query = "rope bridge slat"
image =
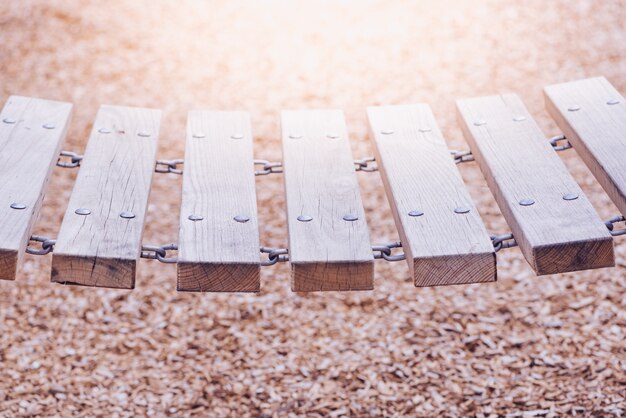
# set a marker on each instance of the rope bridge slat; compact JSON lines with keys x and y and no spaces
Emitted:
{"x":31,"y":134}
{"x":555,"y":226}
{"x":100,"y":238}
{"x":441,"y":231}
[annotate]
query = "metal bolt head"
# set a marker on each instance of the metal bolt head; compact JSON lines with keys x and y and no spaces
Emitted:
{"x":612,"y":102}
{"x":480,"y":122}
{"x":127,"y":215}
{"x":82,"y":211}
{"x":387,"y":131}
{"x":305,"y":218}
{"x":295,"y":136}
{"x":241,"y":218}
{"x":573,"y":108}
{"x":198,"y":135}
{"x":570,"y":196}
{"x":18,"y":206}
{"x":519,"y":118}
{"x":425,"y":129}
{"x":237,"y":136}
{"x":416,"y":213}
{"x":48,"y":126}
{"x":332,"y":135}
{"x":143,"y":134}
{"x":195,"y":218}
{"x":350,"y":217}
{"x":9,"y":121}
{"x":527,"y":202}
{"x":104,"y":131}
{"x":462,"y":210}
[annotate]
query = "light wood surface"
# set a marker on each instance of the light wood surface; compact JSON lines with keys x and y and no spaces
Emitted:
{"x":554,"y":234}
{"x":592,"y":115}
{"x":443,"y":247}
{"x":31,"y":134}
{"x":217,"y":253}
{"x":327,"y":252}
{"x":102,"y":248}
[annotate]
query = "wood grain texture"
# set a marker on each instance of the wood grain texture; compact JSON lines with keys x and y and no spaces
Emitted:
{"x":555,"y":235}
{"x":102,"y":249}
{"x":592,"y":115}
{"x":327,"y":252}
{"x":217,"y":253}
{"x":31,"y":134}
{"x":442,"y":247}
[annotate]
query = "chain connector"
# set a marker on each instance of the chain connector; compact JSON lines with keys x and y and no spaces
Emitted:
{"x":154,"y":252}
{"x":74,"y":162}
{"x":169,"y":166}
{"x":47,"y":245}
{"x":503,"y":241}
{"x":275,"y":255}
{"x":268,"y":167}
{"x":554,"y":141}
{"x":363,"y":164}
{"x":384,"y":252}
{"x":611,"y":222}
{"x":462,"y":156}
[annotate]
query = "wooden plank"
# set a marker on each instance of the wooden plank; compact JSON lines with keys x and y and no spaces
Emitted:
{"x":592,"y":115}
{"x":326,"y":252}
{"x":554,"y":224}
{"x":102,"y":248}
{"x":31,"y":134}
{"x":218,"y":248}
{"x":442,"y":234}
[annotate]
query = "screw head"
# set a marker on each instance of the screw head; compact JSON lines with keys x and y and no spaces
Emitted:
{"x":425,"y":129}
{"x":612,"y":102}
{"x":237,"y":136}
{"x":9,"y":121}
{"x":462,"y":210}
{"x":241,"y":218}
{"x":519,"y":118}
{"x":127,"y":215}
{"x":350,"y":217}
{"x":82,"y":211}
{"x":527,"y":202}
{"x":198,"y":135}
{"x":570,"y":196}
{"x":305,"y":218}
{"x":18,"y":206}
{"x":387,"y":131}
{"x":195,"y":218}
{"x":104,"y":131}
{"x":332,"y":135}
{"x":48,"y":126}
{"x":573,"y":108}
{"x":480,"y":122}
{"x":416,"y":213}
{"x":143,"y":134}
{"x":295,"y":136}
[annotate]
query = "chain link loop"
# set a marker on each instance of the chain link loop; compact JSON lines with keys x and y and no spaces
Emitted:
{"x":363,"y":164}
{"x":154,"y":252}
{"x":503,"y":241}
{"x":384,"y":251}
{"x":554,"y":141}
{"x":610,"y":224}
{"x":47,"y":245}
{"x":275,"y":255}
{"x":169,"y":166}
{"x":268,"y":167}
{"x":74,"y":162}
{"x":462,"y":156}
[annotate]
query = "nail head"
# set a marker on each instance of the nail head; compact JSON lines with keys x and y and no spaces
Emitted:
{"x":573,"y":108}
{"x":424,"y":130}
{"x":332,"y":135}
{"x":236,"y":136}
{"x":480,"y":122}
{"x":82,"y":211}
{"x":127,"y":215}
{"x":612,"y":102}
{"x":195,"y":218}
{"x":387,"y":131}
{"x":350,"y":217}
{"x":9,"y":121}
{"x":104,"y":131}
{"x":527,"y":202}
{"x":519,"y":118}
{"x":295,"y":136}
{"x":143,"y":134}
{"x":304,"y":218}
{"x":461,"y":210}
{"x":18,"y":206}
{"x":48,"y":126}
{"x":415,"y":213}
{"x":241,"y":218}
{"x":570,"y":196}
{"x":198,"y":135}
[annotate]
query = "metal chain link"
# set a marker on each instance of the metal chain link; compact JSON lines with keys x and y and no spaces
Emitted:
{"x":462,"y":156}
{"x":74,"y":162}
{"x":554,"y":141}
{"x":384,"y":251}
{"x":154,"y":252}
{"x":268,"y":167}
{"x":363,"y":164}
{"x":47,"y":245}
{"x":275,"y":255}
{"x":169,"y":166}
{"x":610,"y":224}
{"x":503,"y":241}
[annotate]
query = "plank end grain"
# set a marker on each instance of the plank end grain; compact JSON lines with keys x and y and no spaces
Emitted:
{"x":348,"y":276}
{"x":94,"y":271}
{"x":455,"y":269}
{"x":218,"y":277}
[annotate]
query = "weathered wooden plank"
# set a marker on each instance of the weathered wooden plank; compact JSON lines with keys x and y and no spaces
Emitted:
{"x":218,"y":249}
{"x":100,"y":239}
{"x":442,"y":234}
{"x":592,"y":115}
{"x":554,"y":224}
{"x":31,"y":134}
{"x":329,"y":245}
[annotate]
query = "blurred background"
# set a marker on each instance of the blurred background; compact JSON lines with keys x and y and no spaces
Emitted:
{"x":523,"y":346}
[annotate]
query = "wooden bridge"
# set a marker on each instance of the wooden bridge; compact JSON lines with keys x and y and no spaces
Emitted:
{"x":442,"y":236}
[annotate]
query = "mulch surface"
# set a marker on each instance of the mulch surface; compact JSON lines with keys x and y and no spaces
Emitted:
{"x":521,"y":347}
